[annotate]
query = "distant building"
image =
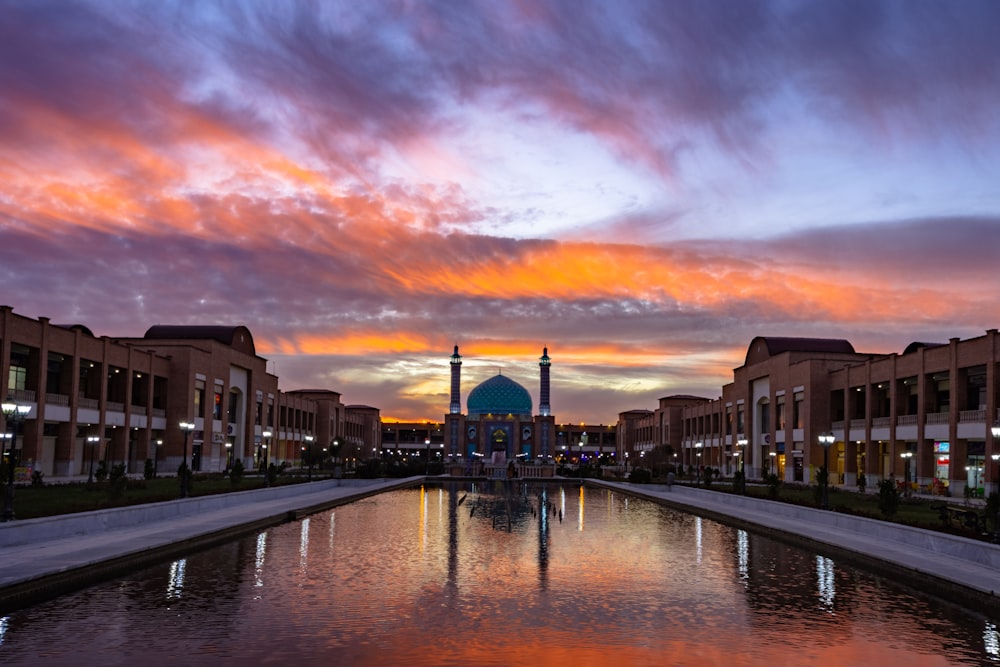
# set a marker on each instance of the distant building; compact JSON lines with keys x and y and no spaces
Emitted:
{"x":122,"y":400}
{"x":924,"y":415}
{"x":498,"y":424}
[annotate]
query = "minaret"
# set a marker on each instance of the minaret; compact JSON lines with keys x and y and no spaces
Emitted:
{"x":456,"y":383}
{"x":544,"y":363}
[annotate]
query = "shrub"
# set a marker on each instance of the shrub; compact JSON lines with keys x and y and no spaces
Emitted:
{"x":888,"y":497}
{"x":773,"y":484}
{"x":992,"y":508}
{"x":862,"y":482}
{"x":102,"y":471}
{"x":184,"y":475}
{"x":707,"y":475}
{"x":739,"y":481}
{"x":641,"y":476}
{"x":147,"y":469}
{"x":37,"y":478}
{"x":117,"y":481}
{"x":236,"y":473}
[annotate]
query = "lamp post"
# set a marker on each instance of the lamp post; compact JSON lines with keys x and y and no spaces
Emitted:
{"x":92,"y":440}
{"x":427,"y":454}
{"x":13,"y":412}
{"x":906,"y":456}
{"x":156,"y":456}
{"x":267,"y":440}
{"x":309,"y":454}
{"x":741,"y":463}
{"x":697,"y":463}
{"x":187,"y":428}
{"x":826,"y":439}
{"x":995,"y":431}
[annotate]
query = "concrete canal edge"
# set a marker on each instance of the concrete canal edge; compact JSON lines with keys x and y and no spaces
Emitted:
{"x":954,"y":569}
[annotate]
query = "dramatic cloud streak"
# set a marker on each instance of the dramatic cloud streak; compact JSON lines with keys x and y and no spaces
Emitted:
{"x":642,"y":187}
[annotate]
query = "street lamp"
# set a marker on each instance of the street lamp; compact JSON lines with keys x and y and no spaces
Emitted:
{"x":995,"y":430}
{"x":427,"y":448}
{"x":187,"y":428}
{"x":156,"y":456}
{"x":267,"y":440}
{"x":697,"y":470}
{"x":906,"y":456}
{"x":741,"y":463}
{"x":826,"y":439}
{"x":13,"y":412}
{"x":309,"y":453}
{"x":92,"y":440}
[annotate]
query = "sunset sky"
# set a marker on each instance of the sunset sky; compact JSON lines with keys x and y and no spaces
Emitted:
{"x":642,"y":187}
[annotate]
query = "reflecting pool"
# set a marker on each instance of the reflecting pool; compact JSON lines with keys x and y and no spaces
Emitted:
{"x":486,"y":574}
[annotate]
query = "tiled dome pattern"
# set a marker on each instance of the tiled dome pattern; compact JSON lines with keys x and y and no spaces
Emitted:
{"x":499,"y":396}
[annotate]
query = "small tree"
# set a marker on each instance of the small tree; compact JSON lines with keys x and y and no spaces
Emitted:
{"x":102,"y":471}
{"x":117,"y":481}
{"x":148,"y":469}
{"x":862,"y":482}
{"x":773,"y":484}
{"x":739,"y":481}
{"x":236,"y":472}
{"x":888,"y":497}
{"x":822,"y":476}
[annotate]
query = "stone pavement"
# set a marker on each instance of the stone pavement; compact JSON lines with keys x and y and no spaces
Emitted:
{"x":42,"y":558}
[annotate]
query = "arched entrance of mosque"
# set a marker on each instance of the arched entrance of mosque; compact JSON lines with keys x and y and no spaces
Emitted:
{"x":498,"y":445}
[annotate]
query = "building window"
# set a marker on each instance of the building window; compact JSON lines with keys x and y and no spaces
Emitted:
{"x":797,"y":416}
{"x":199,"y":399}
{"x":217,"y":407}
{"x":739,"y":419}
{"x":779,"y":414}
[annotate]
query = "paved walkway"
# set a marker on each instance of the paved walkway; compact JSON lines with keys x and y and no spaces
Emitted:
{"x":40,"y":559}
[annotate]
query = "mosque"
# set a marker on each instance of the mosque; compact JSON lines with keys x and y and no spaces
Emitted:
{"x":498,"y":425}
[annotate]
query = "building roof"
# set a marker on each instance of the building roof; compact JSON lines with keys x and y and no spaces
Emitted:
{"x":234,"y":336}
{"x":916,"y":345}
{"x":763,"y":347}
{"x":499,"y":396}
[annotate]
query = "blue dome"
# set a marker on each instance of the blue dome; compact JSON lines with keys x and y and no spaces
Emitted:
{"x":499,"y":396}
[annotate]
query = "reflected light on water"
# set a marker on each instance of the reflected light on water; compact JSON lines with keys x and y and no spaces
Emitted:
{"x":304,"y":546}
{"x":826,"y":583}
{"x":743,"y":555}
{"x":258,"y":569}
{"x":400,"y":585}
{"x":175,"y":583}
{"x":991,"y":640}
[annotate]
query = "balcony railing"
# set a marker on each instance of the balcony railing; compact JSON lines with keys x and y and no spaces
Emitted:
{"x":906,"y":420}
{"x":88,"y":403}
{"x":881,"y":422}
{"x":115,"y":407}
{"x":938,"y":417}
{"x":857,"y":424}
{"x":972,"y":416}
{"x":57,"y":399}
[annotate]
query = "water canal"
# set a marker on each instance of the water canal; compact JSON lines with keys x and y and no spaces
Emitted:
{"x":466,"y":574}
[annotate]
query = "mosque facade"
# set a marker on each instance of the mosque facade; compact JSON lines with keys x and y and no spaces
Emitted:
{"x":499,"y":424}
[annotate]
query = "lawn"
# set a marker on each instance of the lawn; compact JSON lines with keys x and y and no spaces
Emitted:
{"x":51,"y":499}
{"x":917,"y":512}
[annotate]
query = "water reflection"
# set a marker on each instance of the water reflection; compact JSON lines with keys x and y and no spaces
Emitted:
{"x":826,"y":583}
{"x":493,"y":577}
{"x":175,"y":583}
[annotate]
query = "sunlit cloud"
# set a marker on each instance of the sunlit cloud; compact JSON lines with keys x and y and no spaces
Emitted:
{"x":642,"y":187}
